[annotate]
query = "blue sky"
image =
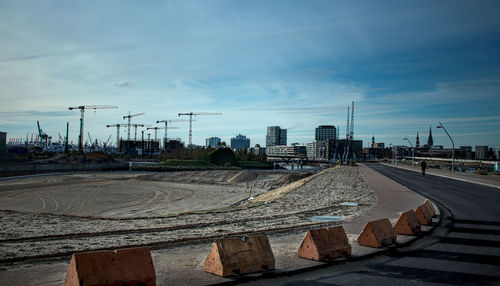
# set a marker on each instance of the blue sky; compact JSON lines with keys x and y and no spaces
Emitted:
{"x":296,"y":64}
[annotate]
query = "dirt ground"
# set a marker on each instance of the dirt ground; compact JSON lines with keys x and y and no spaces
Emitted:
{"x":54,"y":216}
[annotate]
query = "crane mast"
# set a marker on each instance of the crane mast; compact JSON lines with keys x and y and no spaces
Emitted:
{"x":191,"y":114}
{"x":129,"y":117}
{"x":117,"y":132}
{"x":351,"y":133}
{"x":157,"y":128}
{"x":166,"y":124}
{"x":82,"y":111}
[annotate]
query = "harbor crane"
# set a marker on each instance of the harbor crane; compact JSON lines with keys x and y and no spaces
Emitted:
{"x":129,"y":117}
{"x":191,"y":114}
{"x":107,"y":142}
{"x":44,"y":138}
{"x":166,"y":121}
{"x":156,"y":130}
{"x":82,"y":111}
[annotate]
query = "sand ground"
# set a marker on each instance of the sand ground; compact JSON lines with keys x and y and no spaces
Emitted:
{"x":54,"y":216}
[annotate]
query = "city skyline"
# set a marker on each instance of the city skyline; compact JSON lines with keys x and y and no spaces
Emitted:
{"x":292,"y":64}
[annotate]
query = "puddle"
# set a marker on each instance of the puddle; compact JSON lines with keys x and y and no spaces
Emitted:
{"x":350,"y":204}
{"x":326,"y":218}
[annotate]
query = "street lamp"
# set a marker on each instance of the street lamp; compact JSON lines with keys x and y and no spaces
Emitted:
{"x":452,"y":148}
{"x":412,"y":151}
{"x":395,"y":152}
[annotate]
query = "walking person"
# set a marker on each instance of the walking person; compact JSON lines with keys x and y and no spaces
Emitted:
{"x":423,"y":165}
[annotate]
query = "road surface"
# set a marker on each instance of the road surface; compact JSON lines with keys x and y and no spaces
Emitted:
{"x":463,"y":250}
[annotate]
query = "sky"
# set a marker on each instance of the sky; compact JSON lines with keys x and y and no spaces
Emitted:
{"x":407,"y":65}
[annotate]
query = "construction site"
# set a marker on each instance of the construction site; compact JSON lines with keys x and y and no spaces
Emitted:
{"x":145,"y":144}
{"x":169,"y":211}
{"x":53,"y":216}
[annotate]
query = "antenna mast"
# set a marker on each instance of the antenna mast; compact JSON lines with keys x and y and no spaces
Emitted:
{"x":347,"y":129}
{"x":351,"y":135}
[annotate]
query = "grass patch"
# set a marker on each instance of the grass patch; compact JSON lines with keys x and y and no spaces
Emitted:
{"x":256,"y":164}
{"x":186,"y":163}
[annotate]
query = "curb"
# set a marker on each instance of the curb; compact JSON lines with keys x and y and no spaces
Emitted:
{"x":376,"y":251}
{"x":448,"y":177}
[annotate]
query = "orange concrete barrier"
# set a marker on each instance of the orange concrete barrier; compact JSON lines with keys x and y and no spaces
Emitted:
{"x":424,"y":215}
{"x":236,"y":256}
{"x":324,"y":244}
{"x":377,"y":233}
{"x":428,"y":205}
{"x":132,"y":266}
{"x":407,"y":224}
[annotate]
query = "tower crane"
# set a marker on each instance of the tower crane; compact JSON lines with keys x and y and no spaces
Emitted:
{"x":166,"y":121}
{"x":191,"y":114}
{"x":156,"y":130}
{"x":82,"y":111}
{"x":129,"y":117}
{"x":135,"y":129}
{"x":117,"y":132}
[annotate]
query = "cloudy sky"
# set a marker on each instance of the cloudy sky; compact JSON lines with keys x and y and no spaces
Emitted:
{"x":298,"y":64}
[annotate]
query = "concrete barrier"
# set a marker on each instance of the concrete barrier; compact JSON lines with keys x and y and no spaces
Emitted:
{"x":407,"y":224}
{"x":324,"y":244}
{"x":132,"y":266}
{"x":424,"y":215}
{"x":236,"y":256}
{"x":377,"y":234}
{"x":428,"y":205}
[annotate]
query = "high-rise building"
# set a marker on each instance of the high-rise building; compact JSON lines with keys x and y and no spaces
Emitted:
{"x":212,"y":142}
{"x":325,"y":132}
{"x":240,"y":142}
{"x":3,"y":142}
{"x":275,"y":136}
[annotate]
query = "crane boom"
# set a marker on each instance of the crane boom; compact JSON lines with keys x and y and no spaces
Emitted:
{"x":191,"y":114}
{"x":82,"y":111}
{"x":129,"y":117}
{"x":117,"y":132}
{"x":166,"y":121}
{"x":157,"y":128}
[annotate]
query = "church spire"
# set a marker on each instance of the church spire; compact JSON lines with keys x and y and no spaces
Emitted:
{"x":417,"y":143}
{"x":430,"y":142}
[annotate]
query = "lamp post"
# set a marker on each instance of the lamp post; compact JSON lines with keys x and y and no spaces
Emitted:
{"x":412,"y":151}
{"x":452,"y":148}
{"x":395,"y":152}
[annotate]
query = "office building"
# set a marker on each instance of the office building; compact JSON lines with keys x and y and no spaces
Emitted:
{"x":173,"y":145}
{"x":3,"y":142}
{"x":286,"y":151}
{"x":311,"y":150}
{"x":481,"y":152}
{"x":325,"y":132}
{"x":275,"y":136}
{"x":212,"y":142}
{"x":496,"y":153}
{"x":240,"y":142}
{"x":258,"y":150}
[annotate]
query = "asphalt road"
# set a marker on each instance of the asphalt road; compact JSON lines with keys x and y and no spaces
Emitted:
{"x":463,"y":250}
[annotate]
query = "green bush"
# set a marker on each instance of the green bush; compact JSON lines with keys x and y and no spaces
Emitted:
{"x":222,"y":156}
